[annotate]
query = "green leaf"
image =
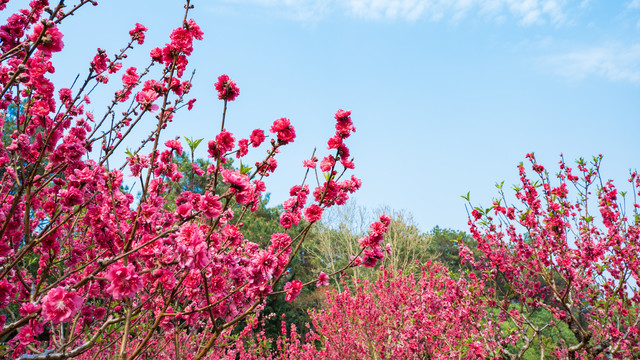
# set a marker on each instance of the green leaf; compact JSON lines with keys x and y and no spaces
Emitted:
{"x":466,"y":197}
{"x":244,"y":169}
{"x":193,"y":144}
{"x":128,"y":152}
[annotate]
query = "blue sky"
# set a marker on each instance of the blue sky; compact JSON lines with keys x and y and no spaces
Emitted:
{"x":447,"y":95}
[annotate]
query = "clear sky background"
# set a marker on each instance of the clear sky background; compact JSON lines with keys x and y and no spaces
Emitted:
{"x":447,"y":95}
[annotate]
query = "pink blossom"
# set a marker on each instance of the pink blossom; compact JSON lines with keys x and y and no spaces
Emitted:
{"x":280,"y":240}
{"x":344,"y":125}
{"x":174,"y":145}
{"x":292,"y":289}
{"x":348,"y":164}
{"x":137,"y":33}
{"x":227,"y":89}
{"x":194,"y":29}
{"x":237,"y":180}
{"x":334,"y":142}
{"x":114,"y":67}
{"x":130,"y":77}
{"x":284,"y":130}
{"x":184,"y":210}
{"x":257,"y":137}
{"x":264,"y":265}
{"x":342,"y":115}
{"x":65,"y":96}
{"x":311,"y":164}
{"x":146,"y":97}
{"x":313,"y":213}
{"x":267,"y":167}
{"x":26,"y":335}
{"x":323,"y":279}
{"x":288,"y":219}
{"x":243,"y":148}
{"x":327,"y":163}
{"x":124,"y":281}
{"x":156,"y":54}
{"x":211,"y":206}
{"x":181,"y":41}
{"x":51,"y":41}
{"x":7,"y":291}
{"x":99,"y":63}
{"x":190,"y":104}
{"x":225,"y":141}
{"x":60,"y":305}
{"x":28,"y":308}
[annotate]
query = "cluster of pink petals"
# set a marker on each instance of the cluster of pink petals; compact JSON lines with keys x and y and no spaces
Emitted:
{"x":124,"y":281}
{"x":257,"y":137}
{"x":137,"y":33}
{"x":181,"y":46}
{"x":284,"y":130}
{"x":292,"y":290}
{"x":51,"y":40}
{"x":313,"y":213}
{"x":227,"y":88}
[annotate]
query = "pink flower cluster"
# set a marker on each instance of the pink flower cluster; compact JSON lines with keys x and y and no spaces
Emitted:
{"x":284,"y":131}
{"x":292,"y":290}
{"x":137,"y":33}
{"x":227,"y":88}
{"x":124,"y":282}
{"x":48,"y":36}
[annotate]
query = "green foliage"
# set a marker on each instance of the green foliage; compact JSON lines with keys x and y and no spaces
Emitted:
{"x":444,"y":244}
{"x":550,"y":337}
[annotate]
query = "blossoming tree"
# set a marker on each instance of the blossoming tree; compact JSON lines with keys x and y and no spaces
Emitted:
{"x":86,"y":269}
{"x":575,"y":257}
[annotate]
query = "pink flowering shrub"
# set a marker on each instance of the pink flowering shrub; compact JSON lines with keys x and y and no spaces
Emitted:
{"x":88,"y":271}
{"x":569,"y":248}
{"x":400,"y":317}
{"x":434,"y":316}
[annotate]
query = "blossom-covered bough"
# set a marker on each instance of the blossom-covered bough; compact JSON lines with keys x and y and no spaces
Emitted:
{"x":87,"y":270}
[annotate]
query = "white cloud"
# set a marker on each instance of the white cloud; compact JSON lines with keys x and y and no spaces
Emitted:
{"x":302,"y":10}
{"x":554,"y":9}
{"x":613,"y":62}
{"x":526,"y":12}
{"x":634,"y":4}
